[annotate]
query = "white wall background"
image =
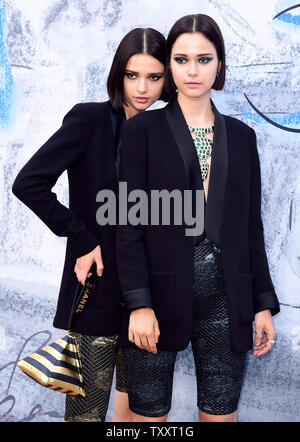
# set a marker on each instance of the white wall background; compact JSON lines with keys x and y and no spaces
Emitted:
{"x":55,"y":53}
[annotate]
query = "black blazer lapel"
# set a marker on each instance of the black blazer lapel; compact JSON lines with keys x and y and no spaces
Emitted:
{"x":117,"y":119}
{"x":185,"y":144}
{"x":219,"y":164}
{"x":218,"y":178}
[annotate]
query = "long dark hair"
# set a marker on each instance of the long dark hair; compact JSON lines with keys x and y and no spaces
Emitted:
{"x":196,"y":23}
{"x":138,"y":41}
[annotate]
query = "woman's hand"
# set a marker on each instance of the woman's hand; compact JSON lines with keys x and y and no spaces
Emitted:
{"x":143,"y":329}
{"x":85,"y":262}
{"x":263,"y":323}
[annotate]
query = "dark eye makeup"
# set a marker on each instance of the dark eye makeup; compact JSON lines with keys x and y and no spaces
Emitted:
{"x":130,"y":75}
{"x":201,"y":60}
{"x":153,"y":77}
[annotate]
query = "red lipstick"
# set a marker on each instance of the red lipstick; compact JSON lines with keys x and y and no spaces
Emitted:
{"x":141,"y":100}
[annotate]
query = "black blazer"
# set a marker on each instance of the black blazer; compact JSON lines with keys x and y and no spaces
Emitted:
{"x":155,"y":263}
{"x":85,"y":146}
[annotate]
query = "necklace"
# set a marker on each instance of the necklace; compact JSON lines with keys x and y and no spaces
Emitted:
{"x":203,"y":146}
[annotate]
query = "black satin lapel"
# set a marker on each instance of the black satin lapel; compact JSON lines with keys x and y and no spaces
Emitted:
{"x":117,"y":119}
{"x":185,"y":144}
{"x":218,"y":177}
{"x":219,"y":164}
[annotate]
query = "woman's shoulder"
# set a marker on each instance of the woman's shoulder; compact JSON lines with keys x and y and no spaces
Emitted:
{"x":145,"y":119}
{"x":90,"y":111}
{"x":91,"y":107}
{"x":237,"y":125}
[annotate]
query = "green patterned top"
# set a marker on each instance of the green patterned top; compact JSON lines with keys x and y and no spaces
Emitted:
{"x":203,"y":147}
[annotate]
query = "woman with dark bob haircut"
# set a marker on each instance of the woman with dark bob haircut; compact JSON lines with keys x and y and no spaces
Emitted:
{"x":87,"y":146}
{"x":205,"y":284}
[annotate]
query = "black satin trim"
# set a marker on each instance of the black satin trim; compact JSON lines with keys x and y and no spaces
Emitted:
{"x":219,"y":166}
{"x":266,"y":300}
{"x":118,"y":117}
{"x":137,"y":299}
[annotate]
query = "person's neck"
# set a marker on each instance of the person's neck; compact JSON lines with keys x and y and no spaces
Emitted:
{"x":130,"y":111}
{"x":197,"y":112}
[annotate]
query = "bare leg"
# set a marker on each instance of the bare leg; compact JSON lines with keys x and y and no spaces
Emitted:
{"x":204,"y":417}
{"x":121,"y":407}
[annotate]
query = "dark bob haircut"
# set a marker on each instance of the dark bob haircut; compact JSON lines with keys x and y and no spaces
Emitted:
{"x":195,"y":23}
{"x":138,"y":41}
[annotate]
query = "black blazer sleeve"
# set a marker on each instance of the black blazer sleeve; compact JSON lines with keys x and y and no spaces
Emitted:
{"x":130,"y":251}
{"x":264,"y":294}
{"x":34,"y":182}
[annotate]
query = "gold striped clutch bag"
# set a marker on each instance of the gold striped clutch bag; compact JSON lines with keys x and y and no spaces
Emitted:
{"x":56,"y":366}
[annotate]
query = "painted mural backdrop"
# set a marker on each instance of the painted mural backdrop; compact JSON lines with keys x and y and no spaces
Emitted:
{"x":55,"y":53}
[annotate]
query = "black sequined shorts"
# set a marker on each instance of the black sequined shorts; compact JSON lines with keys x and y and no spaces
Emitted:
{"x":99,"y":355}
{"x":219,"y":370}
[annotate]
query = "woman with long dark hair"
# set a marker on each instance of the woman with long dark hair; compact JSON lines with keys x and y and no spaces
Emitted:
{"x":87,"y":146}
{"x":207,"y":286}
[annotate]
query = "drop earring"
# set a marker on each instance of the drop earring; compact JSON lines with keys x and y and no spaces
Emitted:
{"x":176,"y":90}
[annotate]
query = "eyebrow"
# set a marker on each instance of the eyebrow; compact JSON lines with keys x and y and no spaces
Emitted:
{"x":152,"y":73}
{"x":199,"y":55}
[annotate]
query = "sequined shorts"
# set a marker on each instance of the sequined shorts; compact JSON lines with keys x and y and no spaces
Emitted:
{"x":100,"y":355}
{"x":219,"y":370}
